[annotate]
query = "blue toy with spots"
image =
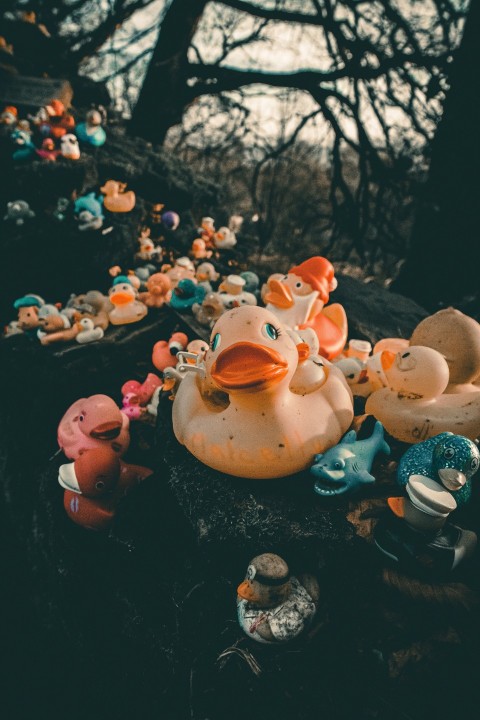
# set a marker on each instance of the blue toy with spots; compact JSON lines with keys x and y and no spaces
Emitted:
{"x":346,"y":467}
{"x":449,"y":459}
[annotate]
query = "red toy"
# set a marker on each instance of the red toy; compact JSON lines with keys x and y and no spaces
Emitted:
{"x":165,"y":353}
{"x":95,"y":484}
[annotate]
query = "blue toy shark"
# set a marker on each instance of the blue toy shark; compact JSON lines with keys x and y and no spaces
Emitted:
{"x":346,"y":467}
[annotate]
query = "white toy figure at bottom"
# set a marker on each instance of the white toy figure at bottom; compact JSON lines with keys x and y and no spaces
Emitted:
{"x":274,"y":606}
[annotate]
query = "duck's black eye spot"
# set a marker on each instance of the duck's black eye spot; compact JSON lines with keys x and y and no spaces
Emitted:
{"x":406,"y":355}
{"x":449,"y":453}
{"x":474,"y":464}
{"x":100,"y":485}
{"x":298,"y":285}
{"x":216,"y":341}
{"x":351,"y":376}
{"x":81,"y":418}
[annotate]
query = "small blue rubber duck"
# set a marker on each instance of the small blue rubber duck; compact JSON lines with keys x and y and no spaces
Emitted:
{"x":449,"y":459}
{"x":186,"y":294}
{"x":346,"y":467}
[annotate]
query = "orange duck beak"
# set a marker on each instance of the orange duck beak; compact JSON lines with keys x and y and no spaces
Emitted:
{"x":245,"y":365}
{"x":387,"y":359}
{"x":106,"y":431}
{"x":279,"y":295}
{"x":246,"y":591}
{"x":121,"y":298}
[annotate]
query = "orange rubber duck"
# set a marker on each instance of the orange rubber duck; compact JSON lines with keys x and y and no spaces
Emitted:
{"x":298,"y":299}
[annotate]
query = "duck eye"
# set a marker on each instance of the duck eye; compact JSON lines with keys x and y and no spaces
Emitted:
{"x":81,"y":418}
{"x":100,"y":485}
{"x":270,"y":331}
{"x":474,"y":464}
{"x":298,"y":285}
{"x":405,"y":355}
{"x":351,"y":376}
{"x":216,"y":341}
{"x":251,"y":572}
{"x":448,"y":453}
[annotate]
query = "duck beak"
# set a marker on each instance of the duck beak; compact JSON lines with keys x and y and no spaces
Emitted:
{"x":121,"y":298}
{"x":67,"y":478}
{"x":246,"y":591}
{"x":106,"y":431}
{"x":245,"y":365}
{"x":396,"y":506}
{"x":303,"y":351}
{"x":363,"y":377}
{"x":279,"y":295}
{"x":452,"y":479}
{"x":387,"y":359}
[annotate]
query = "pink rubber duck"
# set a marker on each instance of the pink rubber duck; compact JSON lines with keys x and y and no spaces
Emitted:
{"x":92,"y":423}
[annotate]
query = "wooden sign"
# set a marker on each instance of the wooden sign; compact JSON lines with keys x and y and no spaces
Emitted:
{"x":32,"y":92}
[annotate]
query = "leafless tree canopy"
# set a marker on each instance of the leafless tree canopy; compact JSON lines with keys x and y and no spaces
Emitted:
{"x":317,"y":114}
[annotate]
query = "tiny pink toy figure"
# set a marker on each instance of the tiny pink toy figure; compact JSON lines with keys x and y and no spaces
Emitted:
{"x":164,"y":353}
{"x":298,"y":299}
{"x":256,"y":426}
{"x":91,"y":423}
{"x":137,"y":395}
{"x":159,"y":290}
{"x":95,"y":484}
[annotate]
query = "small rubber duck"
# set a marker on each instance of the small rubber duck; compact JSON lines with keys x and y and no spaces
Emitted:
{"x":451,"y":460}
{"x":232,"y":292}
{"x":205,"y":275}
{"x":183,"y":269}
{"x":18,"y":211}
{"x":9,"y":116}
{"x":123,"y":296}
{"x":457,"y":337}
{"x":415,"y":406}
{"x":159,"y":290}
{"x":356,"y":375}
{"x":208,"y":312}
{"x":94,"y":485}
{"x":186,"y":294}
{"x":148,"y":251}
{"x":24,"y":147}
{"x":91,"y":131}
{"x":298,"y":299}
{"x":142,"y":391}
{"x":199,"y":250}
{"x":164,"y":354}
{"x":87,"y":332}
{"x":90,"y":423}
{"x":69,"y":147}
{"x":224,"y":239}
{"x":264,"y":430}
{"x":116,"y":198}
{"x":207,"y":231}
{"x":252,"y":282}
{"x":89,"y":211}
{"x":346,"y":467}
{"x":274,"y":606}
{"x":47,"y":151}
{"x":437,"y":476}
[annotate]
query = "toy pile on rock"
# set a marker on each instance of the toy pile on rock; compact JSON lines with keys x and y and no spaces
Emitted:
{"x":266,"y":413}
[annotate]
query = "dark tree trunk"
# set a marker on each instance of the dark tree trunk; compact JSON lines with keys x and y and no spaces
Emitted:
{"x":163,"y":96}
{"x":444,"y":260}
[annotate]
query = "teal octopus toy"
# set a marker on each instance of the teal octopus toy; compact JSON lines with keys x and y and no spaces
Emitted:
{"x":346,"y":467}
{"x":449,"y":459}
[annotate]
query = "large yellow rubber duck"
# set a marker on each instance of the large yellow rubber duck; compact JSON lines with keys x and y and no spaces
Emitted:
{"x":242,"y":418}
{"x":416,"y":405}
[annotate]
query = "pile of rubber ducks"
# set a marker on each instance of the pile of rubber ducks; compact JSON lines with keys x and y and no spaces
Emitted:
{"x":51,"y":132}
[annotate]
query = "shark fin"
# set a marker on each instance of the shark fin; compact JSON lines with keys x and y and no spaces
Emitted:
{"x":378,"y":434}
{"x":364,"y":477}
{"x":349,"y":438}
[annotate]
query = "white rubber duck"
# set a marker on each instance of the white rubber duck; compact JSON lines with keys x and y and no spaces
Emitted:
{"x":263,"y":430}
{"x":274,"y":606}
{"x":88,"y":332}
